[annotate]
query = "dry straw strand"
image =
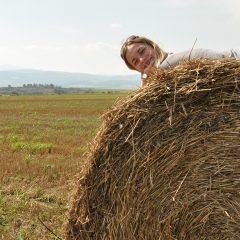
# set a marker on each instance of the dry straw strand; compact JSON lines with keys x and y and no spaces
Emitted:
{"x":165,"y":163}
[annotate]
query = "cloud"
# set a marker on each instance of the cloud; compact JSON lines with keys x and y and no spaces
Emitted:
{"x":233,"y":7}
{"x":67,"y":32}
{"x":116,"y":25}
{"x":97,"y":57}
{"x":213,"y":5}
{"x":177,"y":3}
{"x":31,"y":47}
{"x":99,"y":46}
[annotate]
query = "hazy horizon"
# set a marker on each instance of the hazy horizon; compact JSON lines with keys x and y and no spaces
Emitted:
{"x":86,"y":36}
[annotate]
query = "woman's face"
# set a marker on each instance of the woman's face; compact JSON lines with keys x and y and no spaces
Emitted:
{"x":140,"y":56}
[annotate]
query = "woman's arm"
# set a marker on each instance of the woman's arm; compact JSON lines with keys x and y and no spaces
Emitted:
{"x":174,"y":59}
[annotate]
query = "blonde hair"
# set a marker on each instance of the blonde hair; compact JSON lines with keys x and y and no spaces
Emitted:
{"x":160,"y":53}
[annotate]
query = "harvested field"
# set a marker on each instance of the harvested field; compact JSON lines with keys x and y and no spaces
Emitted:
{"x":43,"y":140}
{"x":166,"y":161}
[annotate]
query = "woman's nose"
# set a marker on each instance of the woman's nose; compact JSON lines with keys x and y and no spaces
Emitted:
{"x":142,"y":62}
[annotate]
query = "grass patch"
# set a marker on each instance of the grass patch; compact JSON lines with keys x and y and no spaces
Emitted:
{"x":44,"y":140}
{"x":34,"y":147}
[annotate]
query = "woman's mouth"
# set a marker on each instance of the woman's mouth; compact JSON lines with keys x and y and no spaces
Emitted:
{"x":149,"y":63}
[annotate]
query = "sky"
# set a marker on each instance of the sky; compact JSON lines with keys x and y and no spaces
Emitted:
{"x":85,"y":36}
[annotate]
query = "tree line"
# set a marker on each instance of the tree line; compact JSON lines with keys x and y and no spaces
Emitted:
{"x":38,"y":85}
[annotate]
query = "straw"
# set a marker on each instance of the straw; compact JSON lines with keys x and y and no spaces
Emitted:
{"x":165,"y":163}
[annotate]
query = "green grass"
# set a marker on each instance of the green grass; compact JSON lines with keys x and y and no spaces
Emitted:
{"x":43,"y":144}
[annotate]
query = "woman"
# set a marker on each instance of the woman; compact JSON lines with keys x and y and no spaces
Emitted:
{"x":140,"y":54}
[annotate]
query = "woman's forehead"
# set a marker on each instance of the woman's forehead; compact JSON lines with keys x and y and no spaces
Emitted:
{"x":133,"y":48}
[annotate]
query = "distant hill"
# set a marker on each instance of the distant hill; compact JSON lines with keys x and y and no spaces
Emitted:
{"x":18,"y":77}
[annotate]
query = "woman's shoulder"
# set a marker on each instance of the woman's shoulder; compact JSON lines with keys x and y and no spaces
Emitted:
{"x":174,"y":59}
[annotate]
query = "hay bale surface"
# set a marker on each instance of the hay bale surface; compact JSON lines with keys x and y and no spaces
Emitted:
{"x":166,"y":161}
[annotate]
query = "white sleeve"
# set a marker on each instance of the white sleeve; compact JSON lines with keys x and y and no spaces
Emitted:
{"x":235,"y":53}
{"x":174,"y":59}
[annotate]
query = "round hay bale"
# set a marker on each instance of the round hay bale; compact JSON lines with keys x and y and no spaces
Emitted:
{"x":166,"y":161}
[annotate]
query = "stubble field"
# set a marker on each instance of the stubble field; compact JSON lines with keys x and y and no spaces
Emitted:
{"x":43,"y":144}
